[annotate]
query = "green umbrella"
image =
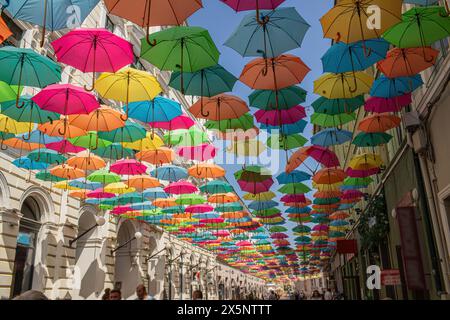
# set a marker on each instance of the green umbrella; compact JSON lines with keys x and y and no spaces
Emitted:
{"x":294,"y":188}
{"x":228,"y":207}
{"x":301,"y":219}
{"x":320,"y":220}
{"x":216,"y":186}
{"x":358,"y":181}
{"x":332,"y":121}
{"x":129,"y":198}
{"x":174,"y":209}
{"x":301,"y":229}
{"x":104,"y":177}
{"x":326,"y":201}
{"x":420,"y":27}
{"x":46,"y":156}
{"x":364,"y":139}
{"x":278,"y":229}
{"x":187,"y":49}
{"x":206,"y":82}
{"x":286,"y":142}
{"x":6,"y":135}
{"x":337,"y":106}
{"x":287,"y":98}
{"x":114,"y":151}
{"x":131,"y":132}
{"x":7,"y":92}
{"x":190,"y":199}
{"x":105,"y":207}
{"x":244,"y":122}
{"x":90,"y":141}
{"x":187,"y":138}
{"x":24,"y":67}
{"x":47,"y":176}
{"x":266,"y":213}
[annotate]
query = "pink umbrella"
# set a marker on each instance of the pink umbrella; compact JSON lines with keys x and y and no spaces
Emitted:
{"x":244,"y":5}
{"x":66,"y":99}
{"x":320,"y":227}
{"x":244,"y":243}
{"x":180,"y":122}
{"x":128,"y":167}
{"x":203,"y":152}
{"x":362,"y":173}
{"x":180,"y":187}
{"x":255,"y":187}
{"x":352,"y":194}
{"x":279,"y":235}
{"x":280,"y":117}
{"x":64,"y":146}
{"x":93,"y":50}
{"x":100,"y":194}
{"x":121,"y":210}
{"x":212,"y":221}
{"x":199,"y":208}
{"x":382,"y":105}
{"x":294,"y":198}
{"x":221,"y":233}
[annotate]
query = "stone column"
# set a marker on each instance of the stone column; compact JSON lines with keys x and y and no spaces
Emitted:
{"x":9,"y":230}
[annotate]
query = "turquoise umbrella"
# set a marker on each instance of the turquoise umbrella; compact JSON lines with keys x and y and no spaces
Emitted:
{"x":24,"y":67}
{"x":282,"y":30}
{"x":47,"y":156}
{"x":27,"y":163}
{"x":337,"y":106}
{"x":114,"y":151}
{"x":287,"y":98}
{"x":131,"y":132}
{"x":216,"y":186}
{"x":47,"y":176}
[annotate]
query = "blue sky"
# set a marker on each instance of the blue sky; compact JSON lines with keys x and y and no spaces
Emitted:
{"x":221,"y":21}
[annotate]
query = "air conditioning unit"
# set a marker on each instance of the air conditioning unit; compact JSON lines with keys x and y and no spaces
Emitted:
{"x":412,"y":120}
{"x":419,"y":141}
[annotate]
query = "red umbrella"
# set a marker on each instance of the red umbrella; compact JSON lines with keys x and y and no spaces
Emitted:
{"x":199,"y":208}
{"x":64,"y":146}
{"x":322,"y":155}
{"x":129,"y":167}
{"x":280,"y":117}
{"x":381,"y":105}
{"x":180,"y":187}
{"x":256,"y":187}
{"x":294,"y":198}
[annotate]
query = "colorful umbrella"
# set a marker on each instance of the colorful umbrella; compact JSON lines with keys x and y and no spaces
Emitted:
{"x":220,"y":107}
{"x":382,"y":105}
{"x":128,"y":167}
{"x":379,"y":123}
{"x":331,"y":137}
{"x":343,"y":85}
{"x":286,"y":98}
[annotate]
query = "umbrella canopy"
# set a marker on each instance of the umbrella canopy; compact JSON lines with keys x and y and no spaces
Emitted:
{"x":181,"y":187}
{"x":382,"y":105}
{"x":282,"y":30}
{"x":348,"y":22}
{"x":143,"y":182}
{"x":30,"y":112}
{"x":337,"y":106}
{"x":29,"y":164}
{"x":206,"y":170}
{"x":216,"y":186}
{"x":101,"y":119}
{"x":379,"y":123}
{"x":131,"y":132}
{"x":385,"y":87}
{"x":220,"y":107}
{"x":159,"y":109}
{"x":286,"y":142}
{"x":181,"y":122}
{"x":280,"y":117}
{"x":24,"y":67}
{"x":343,"y":85}
{"x":275,"y":73}
{"x":331,"y":137}
{"x":159,"y":156}
{"x":93,"y":50}
{"x":128,"y":167}
{"x":285,"y":98}
{"x":240,"y":5}
{"x":170,"y":173}
{"x":364,"y":139}
{"x":64,"y":146}
{"x":203,"y":152}
{"x":322,"y":155}
{"x":128,"y":85}
{"x":104,"y":177}
{"x":207,"y":82}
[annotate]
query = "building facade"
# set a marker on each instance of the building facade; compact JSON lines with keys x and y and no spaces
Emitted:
{"x":38,"y":223}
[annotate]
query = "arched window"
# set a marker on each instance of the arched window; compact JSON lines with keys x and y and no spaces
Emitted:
{"x":30,"y":225}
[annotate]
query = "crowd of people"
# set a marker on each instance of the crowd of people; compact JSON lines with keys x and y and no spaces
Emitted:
{"x":301,"y":295}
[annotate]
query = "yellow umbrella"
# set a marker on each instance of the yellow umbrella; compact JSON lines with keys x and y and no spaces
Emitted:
{"x":64,"y":185}
{"x":247,"y":148}
{"x":343,"y":85}
{"x":150,"y":142}
{"x":327,"y":187}
{"x":119,"y":188}
{"x":264,"y":196}
{"x":10,"y":125}
{"x":350,"y":20}
{"x":128,"y":85}
{"x":366,"y":161}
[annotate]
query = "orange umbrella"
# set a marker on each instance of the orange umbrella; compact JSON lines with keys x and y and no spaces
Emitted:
{"x":142,"y":182}
{"x":327,"y":207}
{"x":5,"y":33}
{"x":328,"y":194}
{"x":165,"y":203}
{"x":238,"y":134}
{"x":159,"y":156}
{"x":61,"y":128}
{"x":67,"y":172}
{"x":339,"y":215}
{"x":379,"y":123}
{"x":86,"y":161}
{"x":223,"y":198}
{"x":408,"y":61}
{"x":79,"y":194}
{"x":22,"y":145}
{"x":181,"y":216}
{"x":298,"y":204}
{"x":274,"y":74}
{"x":234,"y":215}
{"x":206,"y":170}
{"x":220,"y":107}
{"x":102,"y":119}
{"x":329,"y":176}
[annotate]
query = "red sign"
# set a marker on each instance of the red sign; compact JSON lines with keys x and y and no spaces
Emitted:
{"x":391,"y":277}
{"x":346,"y":246}
{"x":412,"y":258}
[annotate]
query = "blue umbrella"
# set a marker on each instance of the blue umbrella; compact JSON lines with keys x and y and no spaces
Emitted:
{"x":27,"y":163}
{"x":287,"y":129}
{"x":170,"y":173}
{"x":81,"y":183}
{"x":339,"y":223}
{"x":422,"y":2}
{"x":298,"y":210}
{"x":47,"y":156}
{"x":50,"y":14}
{"x":155,"y":193}
{"x":284,"y":29}
{"x":262,"y":205}
{"x":207,"y":215}
{"x":147,"y":205}
{"x":295,"y":176}
{"x":385,"y":87}
{"x":331,"y":137}
{"x":157,"y":110}
{"x":37,"y":136}
{"x":346,"y":206}
{"x":352,"y":57}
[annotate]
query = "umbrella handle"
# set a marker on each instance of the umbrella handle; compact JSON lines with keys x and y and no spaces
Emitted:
{"x":63,"y":133}
{"x":356,"y":86}
{"x":124,"y":117}
{"x":147,"y":37}
{"x":29,"y":136}
{"x":204,"y":113}
{"x":18,"y":104}
{"x":3,"y":147}
{"x":93,"y":84}
{"x":96,"y":144}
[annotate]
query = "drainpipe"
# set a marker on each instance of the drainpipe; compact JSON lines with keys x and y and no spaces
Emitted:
{"x":432,"y":210}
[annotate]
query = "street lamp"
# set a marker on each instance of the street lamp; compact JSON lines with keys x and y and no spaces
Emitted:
{"x":99,"y":221}
{"x":137,"y":236}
